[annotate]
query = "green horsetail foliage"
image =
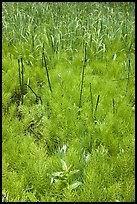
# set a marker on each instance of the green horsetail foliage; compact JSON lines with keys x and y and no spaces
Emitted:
{"x":37,"y":97}
{"x":78,"y":143}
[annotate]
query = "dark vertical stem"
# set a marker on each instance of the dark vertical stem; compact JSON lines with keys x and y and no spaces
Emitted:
{"x":129,"y":69}
{"x":19,"y":75}
{"x":22,"y":84}
{"x":85,"y":54}
{"x":32,"y":43}
{"x":22,"y":71}
{"x":113,"y":106}
{"x":37,"y":97}
{"x":96,"y":105}
{"x":60,"y":45}
{"x":82,"y":80}
{"x":90,"y":40}
{"x":21,"y":81}
{"x":47,"y":70}
{"x":91,"y":99}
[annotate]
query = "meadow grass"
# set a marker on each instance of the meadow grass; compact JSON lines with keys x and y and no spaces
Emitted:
{"x":50,"y":152}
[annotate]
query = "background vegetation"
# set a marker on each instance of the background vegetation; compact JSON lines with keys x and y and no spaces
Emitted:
{"x":68,"y":101}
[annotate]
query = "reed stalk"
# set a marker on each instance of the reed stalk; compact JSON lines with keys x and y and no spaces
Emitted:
{"x":45,"y":64}
{"x":82,"y":80}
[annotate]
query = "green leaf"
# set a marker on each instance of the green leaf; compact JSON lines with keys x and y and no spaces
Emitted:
{"x":73,"y":172}
{"x":31,"y":197}
{"x":74,"y":185}
{"x":57,"y":174}
{"x":64,"y":165}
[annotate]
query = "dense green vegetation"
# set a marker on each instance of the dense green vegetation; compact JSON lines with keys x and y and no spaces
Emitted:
{"x":68,"y":101}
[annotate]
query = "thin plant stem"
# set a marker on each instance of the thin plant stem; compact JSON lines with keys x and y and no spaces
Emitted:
{"x":32,"y":43}
{"x":82,"y":80}
{"x":19,"y":74}
{"x":129,"y":67}
{"x":37,"y":97}
{"x":128,"y":75}
{"x":21,"y":78}
{"x":91,"y":99}
{"x":22,"y":83}
{"x":46,"y":70}
{"x":96,"y":106}
{"x":113,"y":102}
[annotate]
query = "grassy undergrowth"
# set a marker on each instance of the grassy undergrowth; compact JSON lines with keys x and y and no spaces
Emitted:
{"x":68,"y":102}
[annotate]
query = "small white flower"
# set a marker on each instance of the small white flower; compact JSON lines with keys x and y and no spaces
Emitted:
{"x":86,"y":157}
{"x":63,"y":149}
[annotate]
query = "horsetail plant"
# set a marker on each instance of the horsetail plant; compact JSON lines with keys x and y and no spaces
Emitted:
{"x":19,"y":75}
{"x":96,"y":106}
{"x":22,"y":73}
{"x":21,"y":80}
{"x":113,"y":102}
{"x":91,"y":99}
{"x":128,"y":75}
{"x":82,"y":80}
{"x":45,"y":64}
